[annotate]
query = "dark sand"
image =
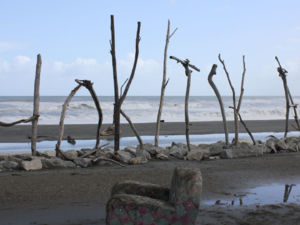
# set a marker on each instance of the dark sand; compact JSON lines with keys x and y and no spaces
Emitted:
{"x":21,"y":133}
{"x":78,"y":196}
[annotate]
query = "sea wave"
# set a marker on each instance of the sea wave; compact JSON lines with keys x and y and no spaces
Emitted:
{"x":142,"y":109}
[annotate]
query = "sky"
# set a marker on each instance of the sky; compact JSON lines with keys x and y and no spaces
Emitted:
{"x":73,"y":37}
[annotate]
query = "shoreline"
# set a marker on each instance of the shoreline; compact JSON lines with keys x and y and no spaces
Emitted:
{"x":22,"y":133}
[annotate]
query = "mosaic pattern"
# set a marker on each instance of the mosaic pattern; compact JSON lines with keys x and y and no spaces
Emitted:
{"x":133,"y":203}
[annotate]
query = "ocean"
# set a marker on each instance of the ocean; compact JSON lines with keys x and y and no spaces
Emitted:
{"x":140,"y":108}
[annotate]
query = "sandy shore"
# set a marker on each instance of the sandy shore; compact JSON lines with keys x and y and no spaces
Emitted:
{"x":78,"y":196}
{"x":22,"y":133}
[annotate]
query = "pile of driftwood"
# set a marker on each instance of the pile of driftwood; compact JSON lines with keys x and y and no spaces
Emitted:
{"x":120,"y":96}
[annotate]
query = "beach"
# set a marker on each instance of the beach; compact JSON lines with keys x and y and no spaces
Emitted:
{"x":22,"y":133}
{"x":78,"y":196}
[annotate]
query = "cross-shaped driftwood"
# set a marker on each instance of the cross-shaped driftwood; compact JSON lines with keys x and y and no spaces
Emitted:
{"x":186,"y":64}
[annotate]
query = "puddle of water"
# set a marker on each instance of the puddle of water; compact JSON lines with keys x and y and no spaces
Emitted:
{"x":262,"y":195}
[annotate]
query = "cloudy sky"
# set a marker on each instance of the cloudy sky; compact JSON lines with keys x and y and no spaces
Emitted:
{"x":73,"y":39}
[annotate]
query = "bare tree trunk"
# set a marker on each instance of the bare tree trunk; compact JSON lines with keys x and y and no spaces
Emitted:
{"x":133,"y":128}
{"x":120,"y":99}
{"x":89,"y":85}
{"x":186,"y":111}
{"x":36,"y":104}
{"x":212,"y":84}
{"x":236,"y":125}
{"x":62,"y":118}
{"x":242,"y":86}
{"x":282,"y":73}
{"x":186,"y":64}
{"x":163,"y":85}
{"x":116,"y":87}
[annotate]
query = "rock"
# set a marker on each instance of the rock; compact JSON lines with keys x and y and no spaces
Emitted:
{"x":10,"y":165}
{"x":138,"y":160}
{"x":245,"y":140}
{"x":178,"y":150}
{"x":34,"y":164}
{"x":198,"y":154}
{"x":55,"y":162}
{"x":71,"y":154}
{"x":131,"y":150}
{"x":216,"y":148}
{"x":271,"y":144}
{"x":124,"y":156}
{"x":242,"y":150}
{"x":50,"y":153}
{"x":162,"y":156}
{"x":144,"y":154}
{"x":83,"y":162}
{"x":292,"y":147}
{"x":281,"y":145}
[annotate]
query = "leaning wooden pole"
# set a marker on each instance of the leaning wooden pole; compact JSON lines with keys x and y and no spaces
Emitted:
{"x":214,"y":87}
{"x":236,"y":124}
{"x":282,"y":73}
{"x":163,"y":85}
{"x":62,"y":118}
{"x":186,"y":64}
{"x":36,"y":104}
{"x":133,"y":128}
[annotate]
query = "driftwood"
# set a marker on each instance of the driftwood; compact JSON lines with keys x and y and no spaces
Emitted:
{"x":287,"y":192}
{"x":62,"y":119}
{"x":163,"y":85}
{"x":245,"y":126}
{"x":30,"y":119}
{"x":294,"y":106}
{"x":120,"y":99}
{"x":89,"y":85}
{"x":282,"y":73}
{"x":133,"y":128}
{"x":236,"y":125}
{"x":93,"y":151}
{"x":107,"y":159}
{"x":186,"y":64}
{"x":36,"y":103}
{"x":212,"y":84}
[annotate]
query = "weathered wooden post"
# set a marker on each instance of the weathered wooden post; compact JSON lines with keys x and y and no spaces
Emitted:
{"x":186,"y":64}
{"x":163,"y":85}
{"x":36,"y":104}
{"x":120,"y":99}
{"x":236,"y":124}
{"x":282,"y":73}
{"x":214,"y":87}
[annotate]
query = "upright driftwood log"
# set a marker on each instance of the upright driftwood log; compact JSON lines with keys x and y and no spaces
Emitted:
{"x":36,"y":104}
{"x":163,"y":85}
{"x":186,"y":64}
{"x":289,"y":99}
{"x":236,"y":124}
{"x":214,"y":87}
{"x":120,"y":99}
{"x":282,"y":73}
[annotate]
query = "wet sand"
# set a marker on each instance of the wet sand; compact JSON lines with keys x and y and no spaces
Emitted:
{"x":22,"y":133}
{"x":78,"y":196}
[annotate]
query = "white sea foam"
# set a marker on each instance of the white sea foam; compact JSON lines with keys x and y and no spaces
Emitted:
{"x":141,"y":109}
